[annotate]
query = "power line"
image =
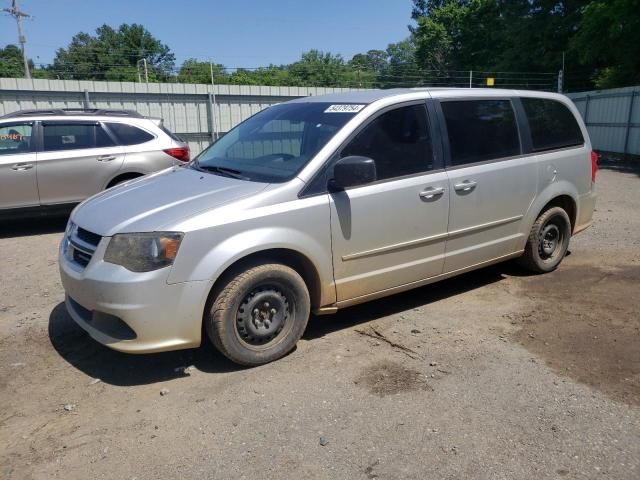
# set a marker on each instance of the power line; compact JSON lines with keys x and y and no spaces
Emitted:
{"x":18,"y":15}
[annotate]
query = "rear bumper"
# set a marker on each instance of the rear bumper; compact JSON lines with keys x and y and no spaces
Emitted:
{"x":133,"y":312}
{"x":586,"y":208}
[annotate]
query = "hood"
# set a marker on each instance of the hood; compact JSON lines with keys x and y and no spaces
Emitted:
{"x":152,"y":202}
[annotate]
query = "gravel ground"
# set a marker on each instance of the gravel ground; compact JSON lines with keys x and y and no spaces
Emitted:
{"x":494,"y":374}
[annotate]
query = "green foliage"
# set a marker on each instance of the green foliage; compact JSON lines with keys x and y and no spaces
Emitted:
{"x":319,"y":69}
{"x":609,"y":39}
{"x":447,"y":39}
{"x":194,"y":71}
{"x":529,"y":36}
{"x":114,"y":55}
{"x":11,"y":64}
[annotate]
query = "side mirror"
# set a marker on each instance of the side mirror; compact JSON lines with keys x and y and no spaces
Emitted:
{"x":353,"y":171}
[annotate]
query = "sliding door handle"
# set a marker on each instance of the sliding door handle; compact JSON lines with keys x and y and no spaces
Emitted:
{"x":465,"y":186}
{"x":431,"y":193}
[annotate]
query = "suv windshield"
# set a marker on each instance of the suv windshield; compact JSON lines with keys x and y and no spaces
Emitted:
{"x":275,"y":144}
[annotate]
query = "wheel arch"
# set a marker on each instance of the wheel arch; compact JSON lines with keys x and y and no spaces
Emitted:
{"x":294,"y":259}
{"x":123,"y":176}
{"x":563,"y":194}
{"x":567,"y":203}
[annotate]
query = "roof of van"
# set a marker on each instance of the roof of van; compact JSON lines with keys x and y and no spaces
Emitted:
{"x":370,"y":96}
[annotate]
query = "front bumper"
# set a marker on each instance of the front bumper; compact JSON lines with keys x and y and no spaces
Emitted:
{"x":132,"y":312}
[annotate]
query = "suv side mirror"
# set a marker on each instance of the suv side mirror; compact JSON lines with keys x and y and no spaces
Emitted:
{"x":353,"y":171}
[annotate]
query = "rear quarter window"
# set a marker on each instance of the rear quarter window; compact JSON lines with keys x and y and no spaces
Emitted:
{"x":129,"y":135}
{"x":552,"y":124}
{"x":170,"y":134}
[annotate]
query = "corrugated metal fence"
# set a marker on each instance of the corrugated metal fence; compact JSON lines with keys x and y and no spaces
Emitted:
{"x":197,"y":113}
{"x":612,"y":118}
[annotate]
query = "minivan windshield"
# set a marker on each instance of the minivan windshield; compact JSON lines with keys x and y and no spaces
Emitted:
{"x":276,"y":143}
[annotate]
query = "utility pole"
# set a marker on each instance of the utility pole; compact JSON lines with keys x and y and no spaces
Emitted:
{"x":561,"y":77}
{"x":560,"y":81}
{"x":146,"y":71}
{"x":15,"y":12}
{"x":214,"y":124}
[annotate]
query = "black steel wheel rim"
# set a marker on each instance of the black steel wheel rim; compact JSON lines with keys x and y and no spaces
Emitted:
{"x":263,"y":316}
{"x":551,"y":240}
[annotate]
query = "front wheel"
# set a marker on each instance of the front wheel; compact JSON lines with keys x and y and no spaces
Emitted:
{"x":548,"y":241}
{"x":259,"y":315}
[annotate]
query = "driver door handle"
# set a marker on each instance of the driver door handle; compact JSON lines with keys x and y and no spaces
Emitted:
{"x":106,"y":158}
{"x":465,"y":186}
{"x":431,"y":193}
{"x":22,"y":166}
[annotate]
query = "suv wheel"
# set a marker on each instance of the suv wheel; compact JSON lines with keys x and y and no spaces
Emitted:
{"x":259,"y":315}
{"x":548,"y":241}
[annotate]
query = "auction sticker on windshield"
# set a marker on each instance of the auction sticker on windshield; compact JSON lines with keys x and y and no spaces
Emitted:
{"x":344,"y":108}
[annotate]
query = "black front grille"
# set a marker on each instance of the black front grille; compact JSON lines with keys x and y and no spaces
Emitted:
{"x":81,"y":258}
{"x":89,"y":237}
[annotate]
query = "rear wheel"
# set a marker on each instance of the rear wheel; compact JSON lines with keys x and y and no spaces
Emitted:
{"x":548,"y":241}
{"x":259,"y":315}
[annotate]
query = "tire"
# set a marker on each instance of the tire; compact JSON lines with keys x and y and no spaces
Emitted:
{"x":548,"y":241}
{"x":259,"y":315}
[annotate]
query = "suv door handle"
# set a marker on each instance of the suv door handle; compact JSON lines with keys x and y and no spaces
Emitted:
{"x":106,"y":158}
{"x":431,"y":193}
{"x":22,"y":166}
{"x":465,"y":186}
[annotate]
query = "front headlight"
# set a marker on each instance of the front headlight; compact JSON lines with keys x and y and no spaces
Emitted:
{"x":143,"y":252}
{"x":69,"y":230}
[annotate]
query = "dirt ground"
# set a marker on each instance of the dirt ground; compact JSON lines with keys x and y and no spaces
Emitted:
{"x":491,"y":375}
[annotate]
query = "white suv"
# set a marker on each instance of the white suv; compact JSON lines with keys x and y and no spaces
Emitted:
{"x":53,"y":158}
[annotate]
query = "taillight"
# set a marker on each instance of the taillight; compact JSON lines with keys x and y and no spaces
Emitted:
{"x":594,"y":166}
{"x":181,"y":153}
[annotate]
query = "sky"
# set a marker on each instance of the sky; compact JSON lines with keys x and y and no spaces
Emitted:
{"x":236,"y":33}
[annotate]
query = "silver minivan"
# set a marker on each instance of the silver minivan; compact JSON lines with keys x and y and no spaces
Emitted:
{"x":53,"y":159}
{"x":325,"y":202}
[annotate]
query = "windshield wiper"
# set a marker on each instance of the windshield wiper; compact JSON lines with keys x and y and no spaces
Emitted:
{"x":224,"y":171}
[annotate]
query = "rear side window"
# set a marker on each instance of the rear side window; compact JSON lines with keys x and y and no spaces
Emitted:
{"x":397,"y":140}
{"x":72,"y":136}
{"x":129,"y":135}
{"x":15,"y":139}
{"x":552,"y":124}
{"x":171,"y":135}
{"x":481,"y":130}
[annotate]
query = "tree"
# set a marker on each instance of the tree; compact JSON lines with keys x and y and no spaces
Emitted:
{"x":194,"y":71}
{"x":114,"y":55}
{"x":608,"y":38}
{"x":401,"y":68}
{"x":318,"y":69}
{"x":11,"y":64}
{"x":377,"y":60}
{"x":496,"y":35}
{"x":433,"y":45}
